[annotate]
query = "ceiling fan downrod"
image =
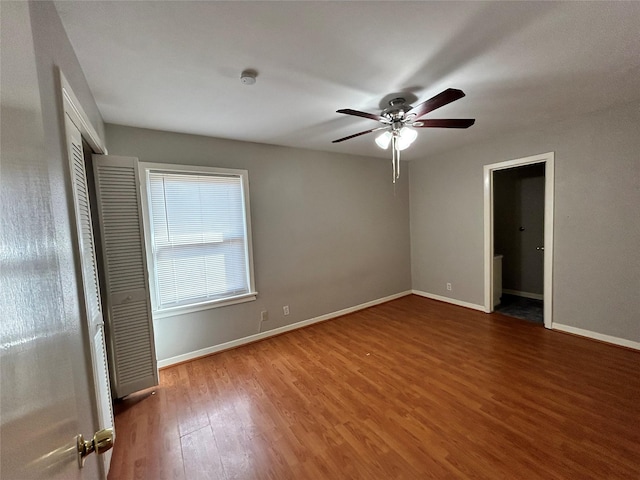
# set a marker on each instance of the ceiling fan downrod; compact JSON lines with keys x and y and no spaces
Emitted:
{"x":395,"y":156}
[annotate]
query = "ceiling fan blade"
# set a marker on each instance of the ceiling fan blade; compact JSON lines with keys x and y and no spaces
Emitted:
{"x":357,"y":113}
{"x":358,"y":134}
{"x":440,"y":100}
{"x":445,"y":123}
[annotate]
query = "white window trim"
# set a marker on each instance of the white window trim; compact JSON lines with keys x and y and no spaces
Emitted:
{"x":144,"y":168}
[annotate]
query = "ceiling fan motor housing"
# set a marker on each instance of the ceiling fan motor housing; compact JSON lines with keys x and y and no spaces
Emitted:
{"x":397,"y":109}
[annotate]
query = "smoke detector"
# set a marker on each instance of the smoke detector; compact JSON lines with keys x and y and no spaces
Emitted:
{"x":248,"y":77}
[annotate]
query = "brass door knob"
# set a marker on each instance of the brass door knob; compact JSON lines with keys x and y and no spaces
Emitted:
{"x":100,"y":443}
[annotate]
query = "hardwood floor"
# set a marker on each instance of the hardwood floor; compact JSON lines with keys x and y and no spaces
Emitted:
{"x":411,"y":389}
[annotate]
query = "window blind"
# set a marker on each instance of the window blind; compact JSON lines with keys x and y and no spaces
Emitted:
{"x":199,"y":242}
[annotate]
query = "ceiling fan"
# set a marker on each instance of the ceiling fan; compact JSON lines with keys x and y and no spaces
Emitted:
{"x":400,"y":119}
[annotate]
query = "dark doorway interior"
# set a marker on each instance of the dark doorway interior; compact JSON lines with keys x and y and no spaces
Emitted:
{"x":519,"y":238}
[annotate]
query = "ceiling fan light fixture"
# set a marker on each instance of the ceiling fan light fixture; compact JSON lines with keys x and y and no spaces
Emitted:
{"x":406,"y":137}
{"x":384,"y":139}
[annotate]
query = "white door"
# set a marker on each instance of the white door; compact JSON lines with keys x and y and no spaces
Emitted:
{"x":133,"y":357}
{"x":92,"y":301}
{"x":45,"y":398}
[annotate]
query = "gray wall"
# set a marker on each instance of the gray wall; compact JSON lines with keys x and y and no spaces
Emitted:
{"x":518,"y":202}
{"x":329,"y":232}
{"x":46,"y":391}
{"x":597,"y":219}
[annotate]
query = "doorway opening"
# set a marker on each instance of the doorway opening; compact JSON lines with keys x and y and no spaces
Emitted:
{"x":518,"y":221}
{"x":518,"y":241}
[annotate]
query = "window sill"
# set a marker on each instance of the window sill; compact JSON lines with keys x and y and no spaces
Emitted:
{"x":175,"y":311}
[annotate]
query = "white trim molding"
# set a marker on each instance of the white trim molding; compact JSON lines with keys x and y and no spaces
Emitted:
{"x":623,"y":342}
{"x":276,"y":331}
{"x":452,"y":301}
{"x":548,"y":160}
{"x":73,"y":108}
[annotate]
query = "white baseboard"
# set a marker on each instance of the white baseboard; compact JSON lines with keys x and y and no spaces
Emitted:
{"x":518,"y":293}
{"x":454,"y":301}
{"x":623,"y":342}
{"x":276,"y":331}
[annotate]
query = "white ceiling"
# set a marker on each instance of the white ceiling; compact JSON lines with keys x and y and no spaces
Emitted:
{"x":176,"y":65}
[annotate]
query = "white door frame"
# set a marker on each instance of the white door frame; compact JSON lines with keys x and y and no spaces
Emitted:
{"x":548,"y":160}
{"x":72,"y":108}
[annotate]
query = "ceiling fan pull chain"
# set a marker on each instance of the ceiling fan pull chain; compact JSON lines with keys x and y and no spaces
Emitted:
{"x":394,"y":154}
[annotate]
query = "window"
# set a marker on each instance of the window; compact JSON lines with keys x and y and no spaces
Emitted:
{"x":198,"y":237}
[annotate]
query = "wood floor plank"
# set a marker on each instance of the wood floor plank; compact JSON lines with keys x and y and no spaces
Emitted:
{"x":410,"y":389}
{"x":201,"y":455}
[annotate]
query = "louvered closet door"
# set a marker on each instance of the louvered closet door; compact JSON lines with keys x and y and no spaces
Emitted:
{"x":133,"y":357}
{"x":90,"y":284}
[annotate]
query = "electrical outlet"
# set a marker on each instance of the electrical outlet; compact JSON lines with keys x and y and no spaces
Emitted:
{"x":449,"y":286}
{"x":264,"y":316}
{"x":285,"y":309}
